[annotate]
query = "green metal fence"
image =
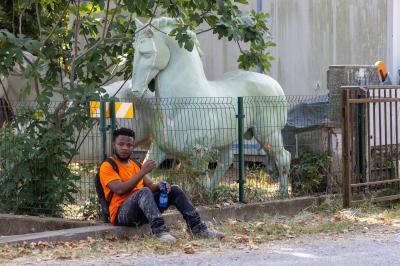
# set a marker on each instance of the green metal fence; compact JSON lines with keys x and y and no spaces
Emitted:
{"x":289,"y":148}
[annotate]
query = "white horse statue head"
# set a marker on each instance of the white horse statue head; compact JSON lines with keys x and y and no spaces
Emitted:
{"x":179,"y":73}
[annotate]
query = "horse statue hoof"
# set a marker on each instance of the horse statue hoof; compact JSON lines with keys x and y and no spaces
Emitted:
{"x":283,"y":194}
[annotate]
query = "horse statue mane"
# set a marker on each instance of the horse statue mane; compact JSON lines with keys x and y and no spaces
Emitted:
{"x":178,"y":73}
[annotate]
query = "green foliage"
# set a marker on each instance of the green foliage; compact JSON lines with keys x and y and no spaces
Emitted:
{"x":26,"y":12}
{"x":91,"y":209}
{"x":35,"y":178}
{"x":309,"y":173}
{"x":230,"y":193}
{"x":226,"y":20}
{"x":108,"y":33}
{"x":332,"y":204}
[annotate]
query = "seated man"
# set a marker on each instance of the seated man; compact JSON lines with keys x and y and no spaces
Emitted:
{"x":135,"y":195}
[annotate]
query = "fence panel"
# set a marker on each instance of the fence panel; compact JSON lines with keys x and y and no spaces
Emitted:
{"x":195,"y":140}
{"x":309,"y":136}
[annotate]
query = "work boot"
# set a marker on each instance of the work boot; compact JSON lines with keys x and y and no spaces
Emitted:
{"x":166,"y":238}
{"x":207,"y":233}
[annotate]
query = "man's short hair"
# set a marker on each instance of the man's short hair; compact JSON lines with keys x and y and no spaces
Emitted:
{"x":123,"y":131}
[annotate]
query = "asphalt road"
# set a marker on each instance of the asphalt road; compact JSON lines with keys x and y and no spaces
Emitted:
{"x":379,"y":245}
{"x":376,"y":248}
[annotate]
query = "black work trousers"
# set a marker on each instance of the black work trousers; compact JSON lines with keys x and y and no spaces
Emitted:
{"x":143,"y":207}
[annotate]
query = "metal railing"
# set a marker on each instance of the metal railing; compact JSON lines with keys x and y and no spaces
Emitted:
{"x":196,"y":135}
{"x":371,"y":152}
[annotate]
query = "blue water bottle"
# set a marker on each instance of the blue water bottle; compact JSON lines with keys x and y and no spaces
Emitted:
{"x":163,"y":195}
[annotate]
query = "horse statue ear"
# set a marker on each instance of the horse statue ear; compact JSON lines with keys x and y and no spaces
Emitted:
{"x":138,"y":23}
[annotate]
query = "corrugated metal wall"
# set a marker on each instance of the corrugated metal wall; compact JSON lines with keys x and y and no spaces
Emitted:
{"x":311,"y":35}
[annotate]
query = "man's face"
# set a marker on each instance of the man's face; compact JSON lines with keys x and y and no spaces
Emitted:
{"x":123,"y":146}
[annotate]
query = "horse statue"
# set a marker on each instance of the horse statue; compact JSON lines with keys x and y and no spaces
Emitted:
{"x":179,"y":73}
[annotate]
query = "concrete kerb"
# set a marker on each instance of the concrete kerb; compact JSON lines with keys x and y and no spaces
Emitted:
{"x":244,"y":212}
{"x":23,"y":224}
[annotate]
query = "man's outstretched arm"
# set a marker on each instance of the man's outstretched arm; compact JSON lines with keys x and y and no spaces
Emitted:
{"x":120,"y":188}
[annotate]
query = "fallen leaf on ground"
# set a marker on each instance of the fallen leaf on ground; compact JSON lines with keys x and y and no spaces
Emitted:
{"x":64,"y":257}
{"x":302,"y":223}
{"x":189,"y":249}
{"x":336,"y":218}
{"x":111,"y":238}
{"x":242,"y":239}
{"x":258,"y":224}
{"x":90,"y":239}
{"x":232,"y":222}
{"x":388,"y":223}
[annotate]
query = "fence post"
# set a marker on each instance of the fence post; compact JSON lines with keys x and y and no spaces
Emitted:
{"x":103,"y":128}
{"x":346,"y":152}
{"x":112,"y":122}
{"x":240,"y":117}
{"x":362,"y":149}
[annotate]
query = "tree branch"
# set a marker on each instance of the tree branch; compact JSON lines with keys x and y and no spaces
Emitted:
{"x":240,"y":47}
{"x":56,"y":25}
{"x":13,"y":17}
{"x":149,"y":23}
{"x":84,"y":18}
{"x":154,"y":27}
{"x":38,"y":19}
{"x":77,"y":57}
{"x":72,"y":73}
{"x":105,"y":21}
{"x":77,"y":25}
{"x":154,"y":13}
{"x":36,"y":86}
{"x":5,"y":92}
{"x":113,"y":75}
{"x":120,"y":88}
{"x":101,"y":39}
{"x":203,"y":31}
{"x":20,"y":19}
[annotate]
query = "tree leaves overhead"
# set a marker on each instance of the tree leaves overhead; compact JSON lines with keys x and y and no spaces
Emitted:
{"x":227,"y":20}
{"x":42,"y":19}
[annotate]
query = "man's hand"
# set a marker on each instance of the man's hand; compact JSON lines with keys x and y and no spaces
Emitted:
{"x":168,"y":187}
{"x":148,"y":166}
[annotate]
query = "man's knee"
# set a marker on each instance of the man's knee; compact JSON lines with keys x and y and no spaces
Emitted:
{"x":175,"y":189}
{"x":145,"y":192}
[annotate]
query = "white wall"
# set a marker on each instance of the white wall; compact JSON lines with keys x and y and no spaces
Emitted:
{"x":393,"y":39}
{"x":313,"y":34}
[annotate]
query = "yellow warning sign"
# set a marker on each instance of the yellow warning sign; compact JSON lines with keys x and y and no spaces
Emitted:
{"x":122,"y":110}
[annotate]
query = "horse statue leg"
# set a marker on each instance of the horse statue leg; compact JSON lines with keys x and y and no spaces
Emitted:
{"x":272,"y":143}
{"x":224,"y":161}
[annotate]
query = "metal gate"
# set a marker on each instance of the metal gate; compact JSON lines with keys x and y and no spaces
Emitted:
{"x":371,"y":143}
